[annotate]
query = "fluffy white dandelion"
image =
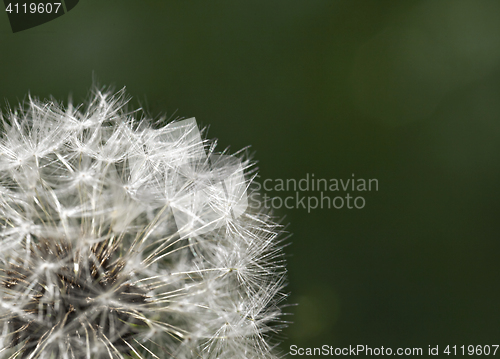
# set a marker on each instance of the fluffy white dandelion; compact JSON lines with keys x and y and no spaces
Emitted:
{"x":120,"y":240}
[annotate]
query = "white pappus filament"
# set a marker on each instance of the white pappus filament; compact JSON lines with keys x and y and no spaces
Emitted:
{"x":120,"y":239}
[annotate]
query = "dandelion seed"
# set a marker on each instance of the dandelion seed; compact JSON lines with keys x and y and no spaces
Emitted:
{"x":119,"y":240}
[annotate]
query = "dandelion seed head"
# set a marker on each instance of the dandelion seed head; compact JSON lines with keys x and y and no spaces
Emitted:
{"x":124,"y":240}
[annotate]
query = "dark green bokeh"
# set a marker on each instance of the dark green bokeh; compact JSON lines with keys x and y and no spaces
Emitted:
{"x":405,"y":92}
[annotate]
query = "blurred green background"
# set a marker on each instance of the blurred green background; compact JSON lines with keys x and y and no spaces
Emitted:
{"x":407,"y":92}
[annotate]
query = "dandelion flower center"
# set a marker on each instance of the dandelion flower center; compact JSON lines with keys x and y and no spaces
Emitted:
{"x":119,"y":239}
{"x":63,"y":289}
